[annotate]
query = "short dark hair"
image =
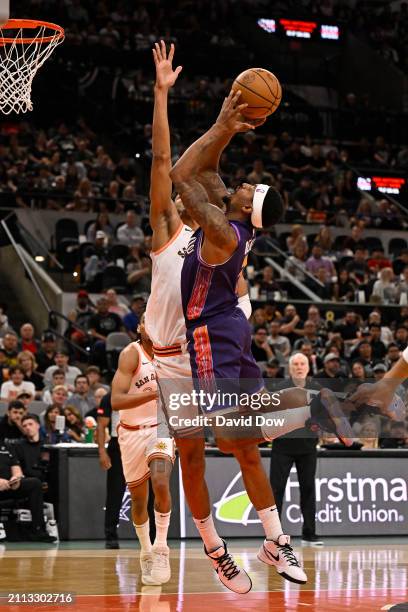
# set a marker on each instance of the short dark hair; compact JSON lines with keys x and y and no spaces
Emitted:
{"x":58,"y":372}
{"x":16,"y":404}
{"x":16,"y":368}
{"x":258,"y":327}
{"x":392,"y":345}
{"x":273,"y":208}
{"x":376,"y":325}
{"x":31,"y":416}
{"x":62,"y":352}
{"x":363,"y":342}
{"x":81,"y":376}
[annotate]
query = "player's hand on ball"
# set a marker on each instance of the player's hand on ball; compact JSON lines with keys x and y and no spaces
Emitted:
{"x":165,"y":75}
{"x":230,"y":116}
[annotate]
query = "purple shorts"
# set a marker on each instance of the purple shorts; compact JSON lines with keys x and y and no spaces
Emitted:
{"x":221,"y":357}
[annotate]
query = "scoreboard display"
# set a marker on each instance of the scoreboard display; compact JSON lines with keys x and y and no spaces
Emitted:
{"x":294,"y":28}
{"x":384,"y":184}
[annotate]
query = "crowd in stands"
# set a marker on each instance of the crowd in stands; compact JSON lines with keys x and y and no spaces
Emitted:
{"x":72,"y":168}
{"x":71,"y":172}
{"x":121,"y":25}
{"x":343,"y":353}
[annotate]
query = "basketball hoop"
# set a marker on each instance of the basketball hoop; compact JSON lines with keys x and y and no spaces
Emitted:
{"x":22,"y":53}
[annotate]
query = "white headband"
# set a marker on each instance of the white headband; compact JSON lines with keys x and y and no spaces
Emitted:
{"x":257,"y":204}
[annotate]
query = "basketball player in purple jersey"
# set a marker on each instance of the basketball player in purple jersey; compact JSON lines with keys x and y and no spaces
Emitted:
{"x":172,"y":228}
{"x":219,"y":337}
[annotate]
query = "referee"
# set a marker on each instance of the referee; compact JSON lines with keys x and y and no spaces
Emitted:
{"x":110,"y":460}
{"x":299,"y":448}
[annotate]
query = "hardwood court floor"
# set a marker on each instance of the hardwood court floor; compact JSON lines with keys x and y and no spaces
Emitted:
{"x":359,"y":575}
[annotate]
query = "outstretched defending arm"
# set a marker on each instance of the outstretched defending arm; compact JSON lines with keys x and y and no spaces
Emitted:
{"x":164,"y":218}
{"x":121,"y":400}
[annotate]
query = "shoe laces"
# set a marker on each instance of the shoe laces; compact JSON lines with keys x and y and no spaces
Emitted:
{"x":146,"y":564}
{"x":160,"y":560}
{"x":227,"y":566}
{"x":288,"y":554}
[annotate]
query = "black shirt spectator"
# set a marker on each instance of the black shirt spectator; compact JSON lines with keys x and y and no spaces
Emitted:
{"x":378,"y":347}
{"x":28,"y":449}
{"x":349,"y":327}
{"x":104,"y":322}
{"x":261,"y":350}
{"x":7,"y":460}
{"x":46,"y":354}
{"x":9,"y":428}
{"x":358,"y":268}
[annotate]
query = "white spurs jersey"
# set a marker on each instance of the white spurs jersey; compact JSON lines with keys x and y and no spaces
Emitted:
{"x":143,"y":381}
{"x":164,"y":313}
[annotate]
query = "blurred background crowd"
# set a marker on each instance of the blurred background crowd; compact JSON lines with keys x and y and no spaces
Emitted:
{"x":85,"y":156}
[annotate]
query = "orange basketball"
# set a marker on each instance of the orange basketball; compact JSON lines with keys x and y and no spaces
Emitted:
{"x":261,"y":90}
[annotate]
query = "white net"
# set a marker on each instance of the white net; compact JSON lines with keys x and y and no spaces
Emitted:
{"x":19,"y":62}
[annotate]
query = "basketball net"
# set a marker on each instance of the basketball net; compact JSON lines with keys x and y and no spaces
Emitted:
{"x":20,"y":58}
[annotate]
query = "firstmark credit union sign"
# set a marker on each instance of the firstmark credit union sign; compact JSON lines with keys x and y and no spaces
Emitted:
{"x":355,"y":496}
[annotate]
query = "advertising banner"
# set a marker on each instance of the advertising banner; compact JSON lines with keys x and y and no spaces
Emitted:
{"x":355,"y":496}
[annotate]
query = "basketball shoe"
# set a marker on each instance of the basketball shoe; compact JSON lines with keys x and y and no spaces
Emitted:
{"x":280,"y":554}
{"x":231,"y":576}
{"x":161,"y":571}
{"x":327,"y":415}
{"x":146,"y":562}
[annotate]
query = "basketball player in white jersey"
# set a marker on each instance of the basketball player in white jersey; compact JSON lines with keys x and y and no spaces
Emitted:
{"x":165,"y":322}
{"x":144,"y":454}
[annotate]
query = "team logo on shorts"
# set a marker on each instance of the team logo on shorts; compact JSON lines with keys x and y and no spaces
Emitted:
{"x":162,"y":446}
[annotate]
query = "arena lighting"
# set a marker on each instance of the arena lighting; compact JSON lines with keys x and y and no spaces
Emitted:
{"x":39,"y":258}
{"x":295,"y":28}
{"x":384,"y":184}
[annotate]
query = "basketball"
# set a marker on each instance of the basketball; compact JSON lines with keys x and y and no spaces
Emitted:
{"x":261,"y":90}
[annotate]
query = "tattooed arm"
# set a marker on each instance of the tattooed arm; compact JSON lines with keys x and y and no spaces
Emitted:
{"x":217,"y":230}
{"x":202,"y":157}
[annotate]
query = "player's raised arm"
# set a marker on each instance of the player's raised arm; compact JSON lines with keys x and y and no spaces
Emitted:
{"x":200,"y":157}
{"x":164,"y":218}
{"x":128,"y":364}
{"x":204,"y":153}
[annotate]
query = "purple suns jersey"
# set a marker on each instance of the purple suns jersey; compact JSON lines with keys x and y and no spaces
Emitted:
{"x":208,"y":290}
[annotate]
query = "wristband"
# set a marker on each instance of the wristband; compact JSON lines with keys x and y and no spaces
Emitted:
{"x":244,"y":303}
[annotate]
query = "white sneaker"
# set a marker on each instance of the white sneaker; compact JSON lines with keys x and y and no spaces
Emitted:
{"x":281,"y":555}
{"x":231,"y":576}
{"x":146,"y":561}
{"x":161,"y":572}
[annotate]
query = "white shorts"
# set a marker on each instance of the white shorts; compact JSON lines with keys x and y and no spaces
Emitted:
{"x":138,"y":448}
{"x":174,"y":379}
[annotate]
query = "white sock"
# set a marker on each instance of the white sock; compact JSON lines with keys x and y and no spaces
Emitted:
{"x":292,"y":419}
{"x":142,"y":532}
{"x":208,"y":533}
{"x":270,"y":522}
{"x":162,"y":526}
